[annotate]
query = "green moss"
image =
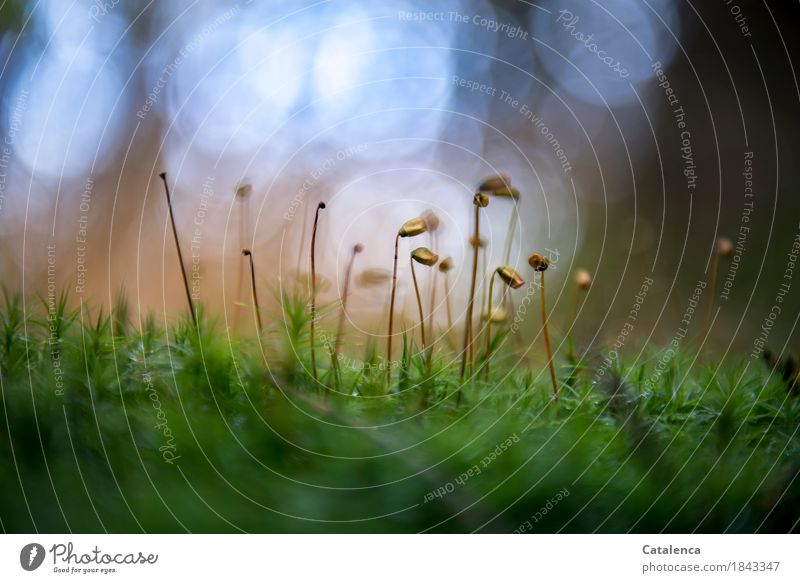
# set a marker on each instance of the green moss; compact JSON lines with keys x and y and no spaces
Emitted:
{"x":206,"y":430}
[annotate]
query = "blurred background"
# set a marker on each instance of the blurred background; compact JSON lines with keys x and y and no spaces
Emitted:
{"x":637,"y":131}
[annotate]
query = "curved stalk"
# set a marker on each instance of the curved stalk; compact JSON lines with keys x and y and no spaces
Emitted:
{"x":320,"y":206}
{"x":391,"y":311}
{"x":163,"y":176}
{"x":249,"y":254}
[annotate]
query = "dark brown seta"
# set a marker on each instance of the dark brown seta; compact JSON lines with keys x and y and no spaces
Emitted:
{"x":163,"y":176}
{"x":320,"y":206}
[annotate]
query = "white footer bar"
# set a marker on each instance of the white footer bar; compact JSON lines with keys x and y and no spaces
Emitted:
{"x":401,"y":558}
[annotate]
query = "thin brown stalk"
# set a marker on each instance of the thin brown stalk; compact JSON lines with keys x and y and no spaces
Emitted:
{"x":471,"y":302}
{"x":244,"y":212}
{"x":513,"y":280}
{"x":410,"y":228}
{"x":320,"y":206}
{"x":249,"y":254}
{"x":163,"y":176}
